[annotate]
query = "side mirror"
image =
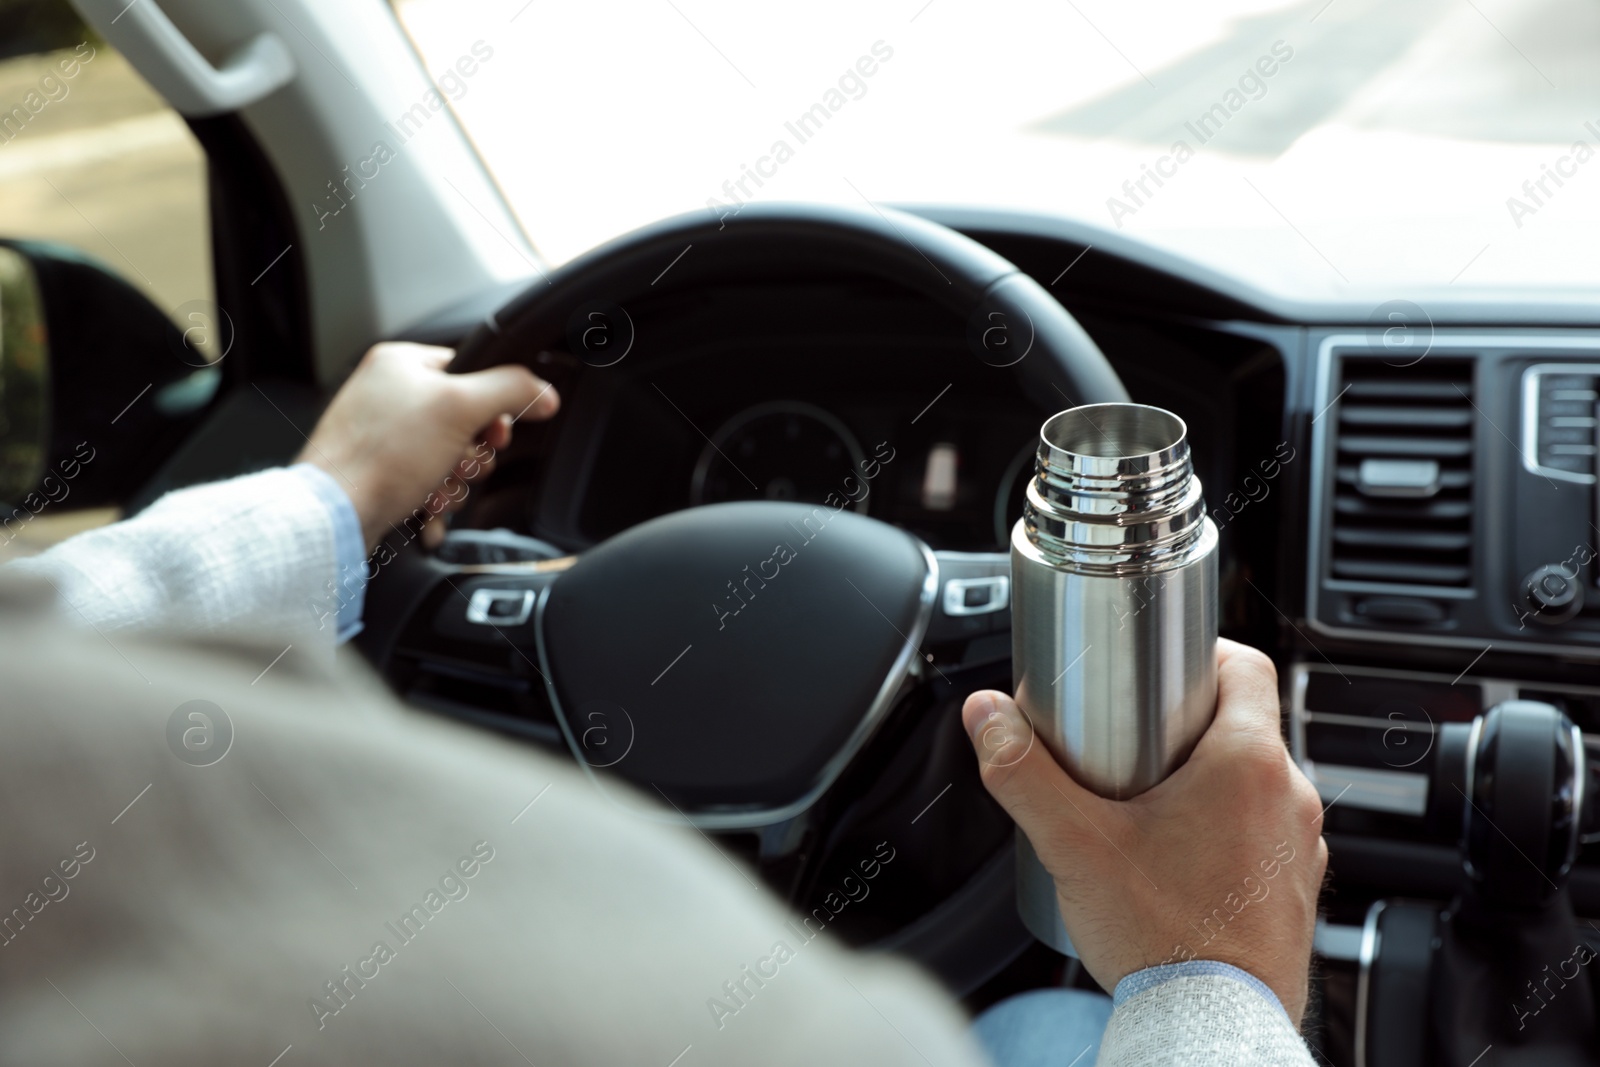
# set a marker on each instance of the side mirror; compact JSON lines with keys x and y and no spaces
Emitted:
{"x":24,"y":390}
{"x":97,"y":386}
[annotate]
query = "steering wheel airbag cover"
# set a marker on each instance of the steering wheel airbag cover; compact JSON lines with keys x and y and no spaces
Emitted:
{"x":741,"y":652}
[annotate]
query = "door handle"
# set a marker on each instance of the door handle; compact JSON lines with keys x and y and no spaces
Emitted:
{"x":144,"y":34}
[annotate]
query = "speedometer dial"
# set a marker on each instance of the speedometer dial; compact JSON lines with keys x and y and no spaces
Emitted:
{"x":785,"y":450}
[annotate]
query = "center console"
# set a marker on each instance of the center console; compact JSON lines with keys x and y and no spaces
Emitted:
{"x":1454,"y":556}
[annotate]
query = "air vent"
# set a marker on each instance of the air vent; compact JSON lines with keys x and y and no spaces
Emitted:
{"x":1402,"y":499}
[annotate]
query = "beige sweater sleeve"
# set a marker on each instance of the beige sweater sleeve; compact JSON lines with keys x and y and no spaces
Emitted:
{"x":1199,"y":1014}
{"x":261,"y":551}
{"x":355,"y":883}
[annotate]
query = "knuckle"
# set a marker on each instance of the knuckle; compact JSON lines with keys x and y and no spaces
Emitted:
{"x":518,"y":378}
{"x":1277,"y":782}
{"x":382,"y":352}
{"x":1258,"y":663}
{"x":1307,"y":800}
{"x":1268,"y":762}
{"x":455,"y":399}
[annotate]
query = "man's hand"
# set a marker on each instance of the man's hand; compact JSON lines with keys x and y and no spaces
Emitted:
{"x":1222,"y":861}
{"x":402,"y":435}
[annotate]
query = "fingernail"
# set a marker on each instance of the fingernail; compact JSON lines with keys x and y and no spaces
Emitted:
{"x":985,"y":705}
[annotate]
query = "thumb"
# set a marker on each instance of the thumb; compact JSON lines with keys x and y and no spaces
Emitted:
{"x":1060,"y":817}
{"x":509,"y":389}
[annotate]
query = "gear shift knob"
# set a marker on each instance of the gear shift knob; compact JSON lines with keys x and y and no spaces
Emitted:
{"x":1515,"y":786}
{"x":1522,"y":801}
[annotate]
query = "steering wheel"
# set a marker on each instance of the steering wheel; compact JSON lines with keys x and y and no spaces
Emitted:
{"x":736,"y":660}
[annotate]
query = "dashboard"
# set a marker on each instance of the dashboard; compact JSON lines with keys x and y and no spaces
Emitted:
{"x":1418,"y":523}
{"x":853,"y":394}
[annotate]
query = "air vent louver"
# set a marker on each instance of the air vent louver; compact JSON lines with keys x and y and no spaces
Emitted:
{"x":1402,"y":495}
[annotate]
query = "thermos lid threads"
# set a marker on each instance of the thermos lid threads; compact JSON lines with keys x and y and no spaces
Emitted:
{"x":1114,"y":489}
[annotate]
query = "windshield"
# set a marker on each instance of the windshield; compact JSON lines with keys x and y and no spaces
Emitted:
{"x":1313,"y":149}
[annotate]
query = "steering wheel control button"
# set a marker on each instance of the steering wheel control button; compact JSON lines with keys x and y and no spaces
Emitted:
{"x":500,"y":607}
{"x":977,"y":596}
{"x":484,"y":609}
{"x":1553,"y":593}
{"x":974,"y":598}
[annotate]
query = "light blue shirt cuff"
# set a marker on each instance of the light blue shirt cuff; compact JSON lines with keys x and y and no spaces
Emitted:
{"x":350,"y":557}
{"x":1150,"y":977}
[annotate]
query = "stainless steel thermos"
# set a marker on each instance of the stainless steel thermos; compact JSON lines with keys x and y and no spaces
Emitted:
{"x":1114,"y":612}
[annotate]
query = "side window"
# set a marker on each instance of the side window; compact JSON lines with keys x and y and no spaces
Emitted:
{"x":92,"y":158}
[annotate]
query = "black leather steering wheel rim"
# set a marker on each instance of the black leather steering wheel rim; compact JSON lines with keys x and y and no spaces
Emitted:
{"x":1012,"y":320}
